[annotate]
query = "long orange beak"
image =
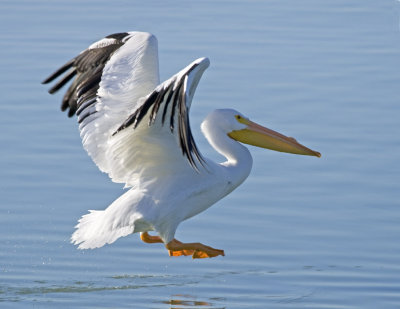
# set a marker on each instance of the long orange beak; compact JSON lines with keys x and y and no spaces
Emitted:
{"x":260,"y":136}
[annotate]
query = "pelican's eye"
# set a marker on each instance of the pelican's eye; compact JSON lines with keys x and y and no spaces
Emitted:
{"x":241,"y":119}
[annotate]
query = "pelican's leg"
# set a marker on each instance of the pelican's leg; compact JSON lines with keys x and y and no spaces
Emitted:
{"x":197,"y":250}
{"x":145,"y":237}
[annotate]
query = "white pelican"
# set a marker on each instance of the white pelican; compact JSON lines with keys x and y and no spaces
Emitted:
{"x":137,"y":130}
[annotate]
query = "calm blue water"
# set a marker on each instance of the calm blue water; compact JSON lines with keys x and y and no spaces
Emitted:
{"x":299,"y":233}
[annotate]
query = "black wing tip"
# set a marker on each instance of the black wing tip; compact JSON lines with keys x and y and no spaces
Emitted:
{"x":122,"y":127}
{"x":127,"y":123}
{"x":115,"y":133}
{"x":71,"y":112}
{"x":46,"y":81}
{"x":53,"y":90}
{"x":118,"y":36}
{"x":86,"y":69}
{"x":60,"y":71}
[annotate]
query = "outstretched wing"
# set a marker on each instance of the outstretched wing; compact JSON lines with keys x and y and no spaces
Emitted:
{"x":111,"y":75}
{"x":156,"y":139}
{"x":132,"y":128}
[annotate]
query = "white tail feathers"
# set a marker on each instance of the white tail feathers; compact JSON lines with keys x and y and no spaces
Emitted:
{"x":123,"y":217}
{"x":95,"y":229}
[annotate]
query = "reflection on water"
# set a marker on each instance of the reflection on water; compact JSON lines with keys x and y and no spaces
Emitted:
{"x":184,"y":301}
{"x":307,"y":286}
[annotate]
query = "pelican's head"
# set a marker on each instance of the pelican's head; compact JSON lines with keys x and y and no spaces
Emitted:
{"x":240,"y":128}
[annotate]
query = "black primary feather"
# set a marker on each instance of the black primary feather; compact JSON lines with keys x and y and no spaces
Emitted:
{"x":86,"y":69}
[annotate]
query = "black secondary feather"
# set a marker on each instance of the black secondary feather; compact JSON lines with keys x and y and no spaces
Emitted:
{"x":173,"y":97}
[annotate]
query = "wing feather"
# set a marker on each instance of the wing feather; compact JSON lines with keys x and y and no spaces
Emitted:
{"x":110,"y":78}
{"x":133,"y":129}
{"x":156,"y":139}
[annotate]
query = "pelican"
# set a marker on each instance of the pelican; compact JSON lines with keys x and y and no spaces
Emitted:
{"x":137,"y":130}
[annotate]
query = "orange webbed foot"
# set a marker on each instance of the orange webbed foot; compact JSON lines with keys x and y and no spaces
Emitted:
{"x":180,"y":252}
{"x":196,"y":250}
{"x":207,"y":254}
{"x":177,"y":248}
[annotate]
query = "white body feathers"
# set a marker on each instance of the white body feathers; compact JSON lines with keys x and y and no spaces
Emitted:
{"x":138,"y":132}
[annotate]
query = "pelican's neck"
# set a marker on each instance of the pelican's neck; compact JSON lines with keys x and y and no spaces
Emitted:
{"x":239,"y":160}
